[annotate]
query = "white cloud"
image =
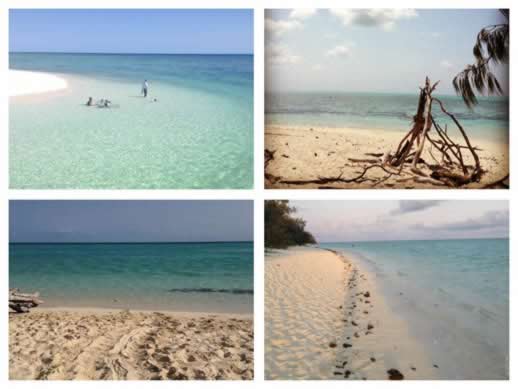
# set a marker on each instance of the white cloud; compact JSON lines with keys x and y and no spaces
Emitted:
{"x":339,"y":51}
{"x":436,"y":34}
{"x":317,"y":67}
{"x":280,"y":55}
{"x":384,"y":18}
{"x":275,"y":28}
{"x":302,"y":13}
{"x":446,"y":64}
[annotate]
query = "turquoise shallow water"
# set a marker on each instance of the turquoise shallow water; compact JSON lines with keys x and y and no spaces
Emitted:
{"x":199,"y":134}
{"x":489,"y":119}
{"x":453,"y":293}
{"x":205,"y":277}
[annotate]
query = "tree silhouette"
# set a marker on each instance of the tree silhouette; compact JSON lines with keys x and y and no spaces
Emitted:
{"x":281,"y":229}
{"x":491,"y":48}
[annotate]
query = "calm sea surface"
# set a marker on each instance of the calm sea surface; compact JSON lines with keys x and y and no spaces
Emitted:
{"x":489,"y":119}
{"x":454,"y":295}
{"x":205,"y":277}
{"x":197,"y":134}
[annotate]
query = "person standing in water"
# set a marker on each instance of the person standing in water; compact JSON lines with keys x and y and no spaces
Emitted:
{"x":145,"y":88}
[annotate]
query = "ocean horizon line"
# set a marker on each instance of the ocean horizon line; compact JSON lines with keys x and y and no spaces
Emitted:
{"x":412,"y":240}
{"x":357,"y":92}
{"x":122,"y":53}
{"x":140,"y":242}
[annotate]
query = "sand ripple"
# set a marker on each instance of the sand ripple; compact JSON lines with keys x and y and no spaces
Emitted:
{"x":302,"y":316}
{"x":326,"y":319}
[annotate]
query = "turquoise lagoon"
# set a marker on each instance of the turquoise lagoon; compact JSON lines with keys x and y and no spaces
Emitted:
{"x":197,"y":134}
{"x":204,"y":277}
{"x":454,"y":295}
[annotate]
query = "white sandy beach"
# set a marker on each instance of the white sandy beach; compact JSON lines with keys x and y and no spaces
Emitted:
{"x":325,"y":319}
{"x":303,"y":290}
{"x":84,"y":344}
{"x":22,"y":83}
{"x":307,"y":153}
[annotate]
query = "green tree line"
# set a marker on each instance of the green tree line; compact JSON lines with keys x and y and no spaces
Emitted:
{"x":281,"y":228}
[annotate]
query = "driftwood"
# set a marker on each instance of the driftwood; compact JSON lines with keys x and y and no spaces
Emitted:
{"x":339,"y":178}
{"x":408,"y":163}
{"x":451,"y":170}
{"x":23,"y":302}
{"x":502,"y":183}
{"x":366,"y":160}
{"x":268,"y":157}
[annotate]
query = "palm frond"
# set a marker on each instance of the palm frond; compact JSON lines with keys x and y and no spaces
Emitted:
{"x":491,"y":47}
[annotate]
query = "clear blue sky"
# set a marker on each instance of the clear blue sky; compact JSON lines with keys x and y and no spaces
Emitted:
{"x":382,"y":50}
{"x":132,"y":31}
{"x":130,"y":221}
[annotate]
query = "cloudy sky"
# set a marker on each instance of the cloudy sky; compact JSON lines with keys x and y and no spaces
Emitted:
{"x":130,"y":221}
{"x":345,"y":221}
{"x":380,"y":50}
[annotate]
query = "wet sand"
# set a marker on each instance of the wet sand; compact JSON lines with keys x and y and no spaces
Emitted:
{"x":81,"y":344}
{"x":304,"y":153}
{"x":325,"y":319}
{"x":377,"y":343}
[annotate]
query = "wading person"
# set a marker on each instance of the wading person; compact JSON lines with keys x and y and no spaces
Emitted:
{"x":145,"y":88}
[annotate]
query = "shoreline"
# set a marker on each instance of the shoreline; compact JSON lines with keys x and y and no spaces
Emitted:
{"x":458,"y":345}
{"x":374,"y":130}
{"x":103,"y":310}
{"x":233,"y":305}
{"x":129,"y":345}
{"x":70,"y":81}
{"x":381,"y":340}
{"x":308,"y":153}
{"x":367,"y":341}
{"x":168,"y":302}
{"x":29,"y":83}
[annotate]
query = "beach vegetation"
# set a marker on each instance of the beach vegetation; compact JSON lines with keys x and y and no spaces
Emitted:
{"x":281,"y":228}
{"x":491,"y":48}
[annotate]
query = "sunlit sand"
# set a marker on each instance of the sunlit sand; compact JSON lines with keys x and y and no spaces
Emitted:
{"x":23,"y":83}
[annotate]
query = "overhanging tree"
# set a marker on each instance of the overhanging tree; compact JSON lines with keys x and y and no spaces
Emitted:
{"x":491,"y":48}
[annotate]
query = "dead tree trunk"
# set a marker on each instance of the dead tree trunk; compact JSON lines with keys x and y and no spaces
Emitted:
{"x":451,"y":169}
{"x":419,"y":132}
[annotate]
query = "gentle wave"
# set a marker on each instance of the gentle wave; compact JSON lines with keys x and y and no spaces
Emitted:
{"x":389,"y":114}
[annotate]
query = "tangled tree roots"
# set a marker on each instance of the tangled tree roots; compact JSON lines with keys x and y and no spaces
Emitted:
{"x":449,"y":167}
